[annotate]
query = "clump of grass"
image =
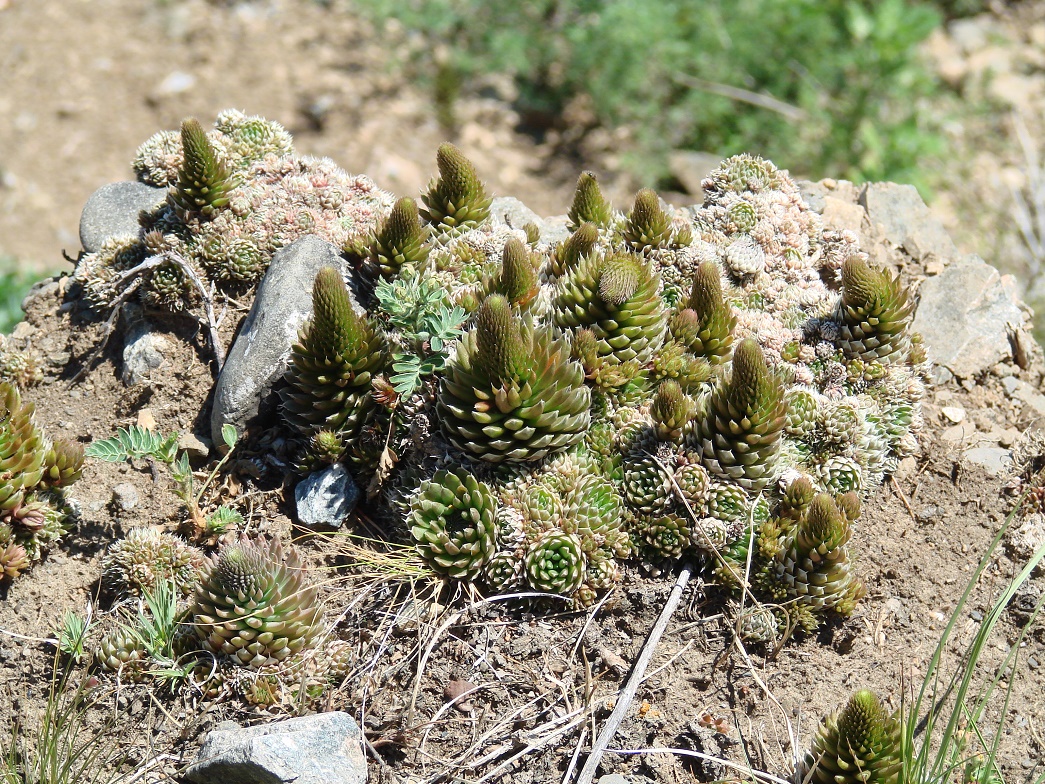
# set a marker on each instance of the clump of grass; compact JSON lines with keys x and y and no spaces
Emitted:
{"x":14,"y":285}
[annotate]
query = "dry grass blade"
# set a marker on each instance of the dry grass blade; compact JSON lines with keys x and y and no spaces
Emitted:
{"x":627,"y":694}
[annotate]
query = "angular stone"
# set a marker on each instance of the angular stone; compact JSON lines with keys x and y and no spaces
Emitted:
{"x":326,"y":748}
{"x":908,"y":222}
{"x":196,"y":448}
{"x":113,"y":210}
{"x":993,"y":459}
{"x":261,"y":352}
{"x":955,"y":414}
{"x":966,"y":315}
{"x":326,"y":498}
{"x":509,"y":211}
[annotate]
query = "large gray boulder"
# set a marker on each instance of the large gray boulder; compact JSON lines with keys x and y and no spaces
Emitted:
{"x":261,"y":352}
{"x":326,"y":748}
{"x":113,"y":210}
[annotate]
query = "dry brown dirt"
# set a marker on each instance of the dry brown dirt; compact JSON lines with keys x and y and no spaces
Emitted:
{"x":85,"y":82}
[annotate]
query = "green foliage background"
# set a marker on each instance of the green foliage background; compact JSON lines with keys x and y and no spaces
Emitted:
{"x":850,"y":89}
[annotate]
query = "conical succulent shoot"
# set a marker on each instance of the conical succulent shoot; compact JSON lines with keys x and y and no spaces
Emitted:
{"x":876,"y":313}
{"x":739,"y":436}
{"x":862,"y":744}
{"x":457,"y":200}
{"x":575,"y":247}
{"x":671,"y":410}
{"x":815,"y":566}
{"x":617,"y":298}
{"x":401,"y":240}
{"x":589,"y":205}
{"x":649,"y":225}
{"x":453,"y":523}
{"x":253,"y":604}
{"x":555,"y":563}
{"x":518,"y":281}
{"x":512,"y":392}
{"x":706,"y":325}
{"x":331,"y":366}
{"x":205,"y":181}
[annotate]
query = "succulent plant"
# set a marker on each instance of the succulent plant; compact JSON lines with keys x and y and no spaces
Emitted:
{"x":337,"y":355}
{"x":457,"y":200}
{"x":648,"y":225}
{"x":512,"y":393}
{"x":739,"y":436}
{"x":148,"y":555}
{"x":401,"y":240}
{"x":671,"y":410}
{"x":616,"y":297}
{"x":253,"y":603}
{"x":875,"y":313}
{"x":554,"y":562}
{"x":120,"y":652}
{"x":589,"y":205}
{"x":18,"y":367}
{"x":452,"y":520}
{"x":205,"y":180}
{"x":518,"y":281}
{"x":13,"y":560}
{"x":705,"y":326}
{"x":861,"y":744}
{"x":578,"y":245}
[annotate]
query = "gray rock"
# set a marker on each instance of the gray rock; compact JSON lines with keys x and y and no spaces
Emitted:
{"x":196,"y":447}
{"x":143,"y":352}
{"x":691,"y":168}
{"x":966,"y":315}
{"x":261,"y":352}
{"x":813,"y":193}
{"x":993,"y":459}
{"x":113,"y":210}
{"x":326,"y":498}
{"x":125,"y":496}
{"x":908,"y":222}
{"x":509,"y":211}
{"x":326,"y":748}
{"x":42,"y":290}
{"x":614,"y":778}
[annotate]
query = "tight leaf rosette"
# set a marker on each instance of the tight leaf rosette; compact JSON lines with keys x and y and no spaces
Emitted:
{"x":253,"y":604}
{"x":453,"y":521}
{"x":555,"y":563}
{"x":876,"y":313}
{"x":512,"y":393}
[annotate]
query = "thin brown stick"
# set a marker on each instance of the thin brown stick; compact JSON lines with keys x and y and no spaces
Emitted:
{"x":627,"y":695}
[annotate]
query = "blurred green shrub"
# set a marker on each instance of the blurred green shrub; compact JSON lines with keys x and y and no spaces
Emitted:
{"x":823,"y":87}
{"x":14,"y":285}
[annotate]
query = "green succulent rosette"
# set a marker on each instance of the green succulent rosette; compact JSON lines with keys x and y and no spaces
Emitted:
{"x":453,"y":522}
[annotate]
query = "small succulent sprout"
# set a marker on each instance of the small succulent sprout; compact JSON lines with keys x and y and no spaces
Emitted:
{"x":802,"y":411}
{"x":575,"y":247}
{"x":815,"y":566}
{"x":327,"y":446}
{"x":503,"y":572}
{"x":22,"y":454}
{"x":861,"y":744}
{"x":756,"y":624}
{"x":512,"y":393}
{"x":205,"y":180}
{"x":841,"y":474}
{"x":532,"y":232}
{"x":739,"y":436}
{"x":671,"y":410}
{"x":647,"y":486}
{"x":648,"y":226}
{"x":798,"y":496}
{"x":518,"y":281}
{"x":253,"y":604}
{"x":849,"y":505}
{"x":542,"y":507}
{"x":63,"y":464}
{"x":594,"y":509}
{"x":121,"y":652}
{"x":617,"y":298}
{"x":452,"y":520}
{"x":337,"y":355}
{"x":589,"y":205}
{"x":876,"y":314}
{"x":555,"y":563}
{"x":741,"y":217}
{"x":148,"y":556}
{"x":745,"y":257}
{"x":667,"y":536}
{"x":706,"y":325}
{"x":13,"y":560}
{"x":400,"y":240}
{"x":742,"y":173}
{"x":727,"y":502}
{"x":694,"y":482}
{"x":457,"y":200}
